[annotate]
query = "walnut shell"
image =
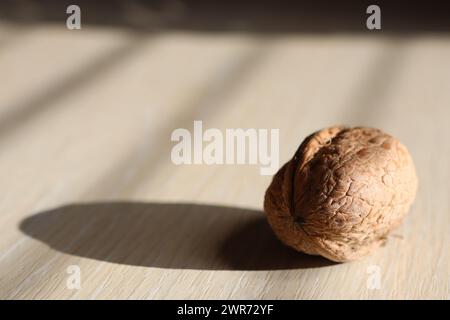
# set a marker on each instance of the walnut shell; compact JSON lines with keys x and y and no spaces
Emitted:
{"x":342,"y":193}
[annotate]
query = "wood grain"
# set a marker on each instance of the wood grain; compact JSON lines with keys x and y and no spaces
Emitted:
{"x":87,"y":180}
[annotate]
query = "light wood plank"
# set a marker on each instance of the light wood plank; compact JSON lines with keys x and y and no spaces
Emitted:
{"x":87,"y":178}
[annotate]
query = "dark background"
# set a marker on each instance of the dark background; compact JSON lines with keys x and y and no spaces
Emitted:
{"x":248,"y":16}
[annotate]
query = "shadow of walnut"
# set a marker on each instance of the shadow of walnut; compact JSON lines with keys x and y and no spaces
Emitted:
{"x":181,"y":236}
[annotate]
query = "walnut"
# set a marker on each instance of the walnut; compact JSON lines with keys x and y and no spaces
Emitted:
{"x":342,"y":193}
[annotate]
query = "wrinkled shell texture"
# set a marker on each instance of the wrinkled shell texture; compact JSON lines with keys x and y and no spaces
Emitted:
{"x":342,"y":193}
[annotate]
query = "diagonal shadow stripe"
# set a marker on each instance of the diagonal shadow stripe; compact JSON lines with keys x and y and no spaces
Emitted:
{"x":13,"y":35}
{"x":27,"y":110}
{"x":145,"y":158}
{"x":365,"y":104}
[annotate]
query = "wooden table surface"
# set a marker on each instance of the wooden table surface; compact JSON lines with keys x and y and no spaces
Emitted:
{"x":87,"y":180}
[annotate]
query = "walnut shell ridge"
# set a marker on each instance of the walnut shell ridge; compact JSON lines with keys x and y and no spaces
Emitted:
{"x":342,"y":193}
